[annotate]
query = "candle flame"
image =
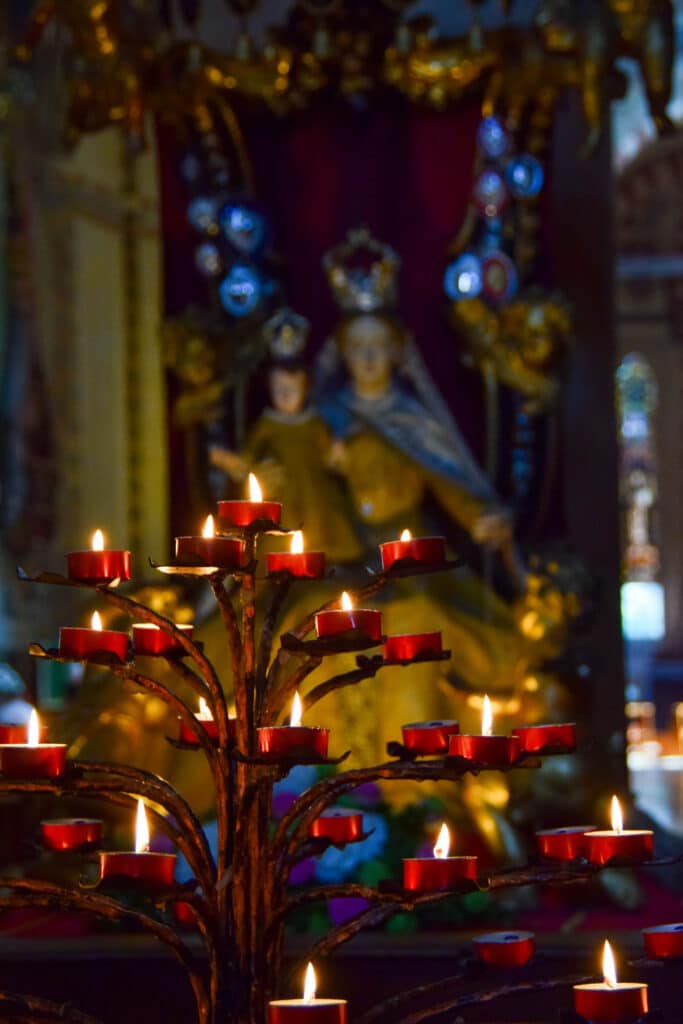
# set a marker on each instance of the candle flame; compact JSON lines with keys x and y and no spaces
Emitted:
{"x":609,"y":968}
{"x":204,"y":713}
{"x":442,"y":847}
{"x":96,"y":622}
{"x":33,"y":738}
{"x":297,"y":710}
{"x":98,"y":541}
{"x":141,"y":829}
{"x":346,"y":602}
{"x":255,"y":492}
{"x":297,"y":545}
{"x":209,"y":530}
{"x":617,"y":816}
{"x":406,"y":535}
{"x":310,"y":984}
{"x":486,"y":717}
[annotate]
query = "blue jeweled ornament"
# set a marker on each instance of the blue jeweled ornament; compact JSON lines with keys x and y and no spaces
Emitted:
{"x":524,"y":176}
{"x":462,"y":278}
{"x":499,"y":276}
{"x":207,"y":259}
{"x":490,"y":193}
{"x":243,"y":226}
{"x":493,"y":138}
{"x":240,"y":290}
{"x":201,"y":214}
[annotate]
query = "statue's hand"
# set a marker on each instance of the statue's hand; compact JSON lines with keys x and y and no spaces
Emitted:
{"x":493,"y":529}
{"x":230,"y":462}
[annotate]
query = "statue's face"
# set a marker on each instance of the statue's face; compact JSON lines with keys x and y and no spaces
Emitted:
{"x":288,"y":390}
{"x":369,"y":350}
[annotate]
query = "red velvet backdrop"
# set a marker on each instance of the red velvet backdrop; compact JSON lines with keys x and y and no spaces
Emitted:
{"x":403,"y":171}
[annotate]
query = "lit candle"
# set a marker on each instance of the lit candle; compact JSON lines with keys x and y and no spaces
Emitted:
{"x":310,"y":1009}
{"x":610,"y":1001}
{"x":153,"y":869}
{"x":427,"y":874}
{"x":98,"y":565}
{"x":505,"y":949}
{"x":664,"y":941}
{"x":205,"y":716}
{"x":425,"y":550}
{"x":296,"y":561}
{"x":563,"y":843}
{"x":294,"y":740}
{"x":150,"y":641}
{"x":210,"y":550}
{"x":71,"y":833}
{"x":631,"y":844}
{"x":546,"y":739}
{"x":337,"y":621}
{"x":486,"y":749}
{"x":339,"y":825}
{"x":81,"y":643}
{"x":33,"y":759}
{"x":244,"y":513}
{"x":408,"y":646}
{"x":429,"y":737}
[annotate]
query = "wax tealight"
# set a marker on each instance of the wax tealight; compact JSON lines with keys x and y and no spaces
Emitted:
{"x":630,"y":844}
{"x":98,"y":565}
{"x":440,"y":872}
{"x":505,"y":949}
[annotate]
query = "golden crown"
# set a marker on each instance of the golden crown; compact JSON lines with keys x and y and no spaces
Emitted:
{"x":359,"y":285}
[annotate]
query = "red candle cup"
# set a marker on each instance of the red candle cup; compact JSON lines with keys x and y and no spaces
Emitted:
{"x":12,"y":733}
{"x":80,"y":643}
{"x":428,"y":737}
{"x":221,"y":552}
{"x":21,"y":761}
{"x":302,"y":564}
{"x":636,"y":845}
{"x":185,"y":914}
{"x":187,"y":736}
{"x":601,"y":1003}
{"x":244,"y":513}
{"x":664,"y":941}
{"x":492,"y":751}
{"x":409,"y":646}
{"x":505,"y":949}
{"x":427,"y":550}
{"x":293,"y":741}
{"x":338,"y":825}
{"x":98,"y":566}
{"x":563,"y":843}
{"x":533,"y":738}
{"x":307,"y":1011}
{"x":151,"y":641}
{"x":338,"y":620}
{"x":155,"y":870}
{"x":70,"y":833}
{"x":437,"y":874}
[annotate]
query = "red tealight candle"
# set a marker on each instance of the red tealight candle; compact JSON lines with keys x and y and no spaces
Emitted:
{"x":409,"y":646}
{"x":154,"y":869}
{"x":81,"y":643}
{"x":505,"y":949}
{"x":151,"y":641}
{"x":427,"y":874}
{"x":664,"y":941}
{"x":244,"y":513}
{"x":610,"y":1001}
{"x":185,"y":913}
{"x":209,"y":725}
{"x":563,"y":843}
{"x":487,"y":749}
{"x":631,"y":844}
{"x":297,"y":562}
{"x":209,"y":550}
{"x":98,"y":565}
{"x":533,"y":738}
{"x":70,"y":833}
{"x":427,"y":550}
{"x":429,"y":737}
{"x":12,"y":733}
{"x":339,"y":825}
{"x":310,"y":1009}
{"x":294,"y":740}
{"x":33,"y":759}
{"x":340,"y":620}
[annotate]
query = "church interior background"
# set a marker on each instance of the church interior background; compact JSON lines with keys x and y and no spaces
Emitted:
{"x":417,"y":265}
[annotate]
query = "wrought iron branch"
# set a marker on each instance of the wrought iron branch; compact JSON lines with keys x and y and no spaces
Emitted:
{"x":279,"y":695}
{"x":372,"y":917}
{"x":16,"y":1006}
{"x":282,"y":588}
{"x":367,"y":669}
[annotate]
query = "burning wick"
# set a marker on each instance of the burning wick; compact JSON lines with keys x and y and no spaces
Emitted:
{"x":297,"y":711}
{"x":209,"y":529}
{"x":486,"y":717}
{"x":141,"y":829}
{"x":297,"y":545}
{"x":346,"y":602}
{"x":255,"y":492}
{"x":617,"y":824}
{"x":310,"y":984}
{"x":33,"y":738}
{"x":406,"y":535}
{"x":609,"y":968}
{"x":98,"y":541}
{"x":204,"y":714}
{"x":96,"y":622}
{"x":442,"y":847}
